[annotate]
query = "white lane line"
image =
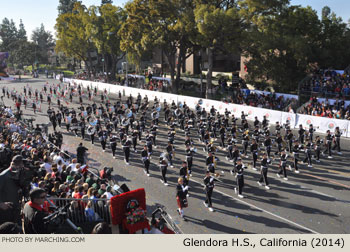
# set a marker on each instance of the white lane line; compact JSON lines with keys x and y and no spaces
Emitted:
{"x":263,"y":210}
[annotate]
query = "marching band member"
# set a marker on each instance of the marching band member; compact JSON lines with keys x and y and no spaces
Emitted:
{"x":301,"y":133}
{"x":181,"y":197}
{"x":206,"y":140}
{"x":296,"y":149}
{"x":145,"y":159}
{"x":278,"y":128}
{"x":171,"y":136}
{"x":267,"y":144}
{"x":235,"y":154}
{"x":170,"y":152}
{"x":210,"y":163}
{"x":149,"y":142}
{"x":279,"y":142}
{"x":209,"y":187}
{"x":329,"y":139}
{"x":82,"y":128}
{"x":254,"y":148}
{"x":311,"y":132}
{"x":245,"y":142}
{"x":308,"y":148}
{"x":289,"y":136}
{"x":189,"y":158}
{"x":113,"y":141}
{"x":336,"y":139}
{"x":163,"y":166}
{"x":256,"y":133}
{"x":154,"y":134}
{"x":318,"y":143}
{"x":184,"y":172}
{"x":264,"y":167}
{"x":222,"y":136}
{"x":265,"y":123}
{"x":238,"y":169}
{"x":91,"y":132}
{"x":75,"y":125}
{"x":283,"y":164}
{"x":229,"y":156}
{"x":102,"y":134}
{"x":126,"y":148}
{"x":134,"y":135}
{"x":256,"y":122}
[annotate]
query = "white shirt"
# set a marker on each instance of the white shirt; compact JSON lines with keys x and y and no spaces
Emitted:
{"x":73,"y":167}
{"x":108,"y":195}
{"x":57,"y":158}
{"x":47,"y":167}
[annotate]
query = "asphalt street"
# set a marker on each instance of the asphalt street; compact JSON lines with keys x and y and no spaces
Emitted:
{"x":314,"y":201}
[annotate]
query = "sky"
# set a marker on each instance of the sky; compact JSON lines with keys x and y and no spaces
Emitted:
{"x":35,"y":12}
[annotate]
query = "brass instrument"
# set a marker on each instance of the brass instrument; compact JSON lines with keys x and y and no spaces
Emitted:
{"x":91,"y":130}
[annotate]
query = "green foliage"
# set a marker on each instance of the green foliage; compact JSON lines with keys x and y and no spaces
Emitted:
{"x":44,"y":41}
{"x":68,"y":73}
{"x":66,"y":6}
{"x":72,"y":37}
{"x":14,"y":41}
{"x":165,"y":24}
{"x":283,"y":43}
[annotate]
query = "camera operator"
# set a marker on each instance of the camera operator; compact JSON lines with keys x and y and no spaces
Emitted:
{"x":34,"y":213}
{"x":10,"y":191}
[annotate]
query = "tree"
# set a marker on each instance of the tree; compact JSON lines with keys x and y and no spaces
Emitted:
{"x":102,"y":25}
{"x":158,"y":24}
{"x":44,"y":41}
{"x":24,"y":54}
{"x":132,"y":32}
{"x":72,"y":38}
{"x":103,"y":2}
{"x":219,"y":27}
{"x":281,"y":42}
{"x":22,"y":33}
{"x":334,"y":37}
{"x":325,"y":12}
{"x":66,"y":6}
{"x":8,"y":35}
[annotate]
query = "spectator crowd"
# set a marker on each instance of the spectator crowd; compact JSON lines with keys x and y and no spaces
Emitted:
{"x":64,"y":180}
{"x":337,"y":110}
{"x":328,"y":83}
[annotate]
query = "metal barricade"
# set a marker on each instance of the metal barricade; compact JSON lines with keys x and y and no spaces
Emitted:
{"x":82,"y":211}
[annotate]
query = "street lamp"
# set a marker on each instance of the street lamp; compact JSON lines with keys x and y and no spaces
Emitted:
{"x":200,"y":69}
{"x":126,"y":68}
